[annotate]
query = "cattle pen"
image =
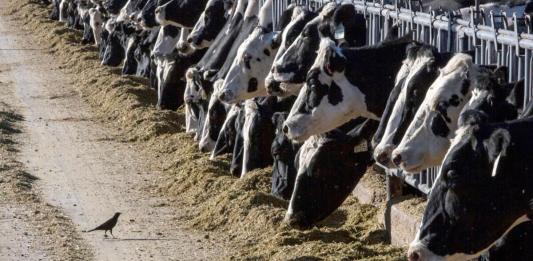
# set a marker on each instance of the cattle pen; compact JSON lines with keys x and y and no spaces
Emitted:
{"x":249,"y":129}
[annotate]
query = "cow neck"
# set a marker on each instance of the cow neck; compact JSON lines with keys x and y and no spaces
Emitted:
{"x":373,"y":70}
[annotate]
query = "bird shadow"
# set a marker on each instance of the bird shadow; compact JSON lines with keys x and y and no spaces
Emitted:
{"x":142,"y":239}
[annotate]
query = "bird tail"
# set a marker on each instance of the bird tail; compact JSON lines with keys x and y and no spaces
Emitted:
{"x":87,"y":231}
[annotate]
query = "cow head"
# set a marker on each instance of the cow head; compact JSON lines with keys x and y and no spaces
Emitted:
{"x":97,"y":24}
{"x":210,"y":23}
{"x":216,"y":114}
{"x":294,"y":63}
{"x":146,"y":18}
{"x":251,"y":65}
{"x":461,"y":85}
{"x":327,"y":100}
{"x":469,"y":209}
{"x":427,"y":138}
{"x":167,"y":40}
{"x":328,"y":171}
{"x":300,"y":17}
{"x":180,"y":13}
{"x":420,"y":69}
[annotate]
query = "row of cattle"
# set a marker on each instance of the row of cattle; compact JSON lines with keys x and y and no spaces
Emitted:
{"x":303,"y":95}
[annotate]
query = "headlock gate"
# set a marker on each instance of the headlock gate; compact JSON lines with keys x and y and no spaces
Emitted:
{"x":486,"y":33}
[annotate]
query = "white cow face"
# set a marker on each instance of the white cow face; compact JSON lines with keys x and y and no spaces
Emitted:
{"x":167,"y":39}
{"x":327,"y":100}
{"x":96,"y":24}
{"x":250,"y":67}
{"x":427,"y":138}
{"x":418,"y":72}
{"x":283,"y":89}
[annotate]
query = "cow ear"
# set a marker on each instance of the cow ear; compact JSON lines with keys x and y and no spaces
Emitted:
{"x":500,"y":74}
{"x":498,"y":143}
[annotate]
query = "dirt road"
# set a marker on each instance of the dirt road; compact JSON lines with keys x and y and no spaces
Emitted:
{"x":82,"y":169}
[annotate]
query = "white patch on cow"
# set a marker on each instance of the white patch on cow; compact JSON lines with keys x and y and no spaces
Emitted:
{"x":251,"y":52}
{"x":307,"y":151}
{"x":110,"y":24}
{"x":131,"y":41}
{"x":408,"y":70}
{"x":427,"y":255}
{"x":420,"y":148}
{"x":252,"y":9}
{"x":182,"y":45}
{"x":326,"y":116}
{"x":164,"y":44}
{"x":96,"y":23}
{"x":125,"y":12}
{"x":250,"y":110}
{"x":190,"y":96}
{"x":234,"y":110}
{"x":62,"y":7}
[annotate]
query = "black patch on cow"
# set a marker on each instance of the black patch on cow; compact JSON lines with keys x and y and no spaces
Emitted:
{"x":252,"y":85}
{"x":335,"y":94}
{"x":465,"y":86}
{"x":454,"y":100}
{"x":266,"y":52}
{"x":439,"y":127}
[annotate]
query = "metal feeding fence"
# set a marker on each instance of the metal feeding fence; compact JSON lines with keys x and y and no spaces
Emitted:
{"x":496,"y":38}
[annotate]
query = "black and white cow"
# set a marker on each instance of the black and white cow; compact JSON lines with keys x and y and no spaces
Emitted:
{"x":226,"y":137}
{"x":214,"y":121}
{"x":299,"y":18}
{"x":328,"y":171}
{"x":343,"y":84}
{"x":484,"y":190}
{"x":293,"y":65}
{"x":253,"y":60}
{"x":284,"y":155}
{"x":113,"y":7}
{"x":215,"y":67}
{"x":516,"y":245}
{"x":210,"y":23}
{"x":171,"y":77}
{"x":180,"y":13}
{"x":258,"y":133}
{"x":427,"y":138}
{"x":147,"y":18}
{"x":420,"y":68}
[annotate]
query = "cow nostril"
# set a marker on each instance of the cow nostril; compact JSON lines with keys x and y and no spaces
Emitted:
{"x":382,"y":158}
{"x":285,"y":129}
{"x":221,"y":96}
{"x":414,"y":256}
{"x":189,"y":40}
{"x":397,"y":159}
{"x":157,"y":11}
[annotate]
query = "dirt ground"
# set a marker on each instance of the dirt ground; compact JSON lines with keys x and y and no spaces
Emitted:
{"x":85,"y":142}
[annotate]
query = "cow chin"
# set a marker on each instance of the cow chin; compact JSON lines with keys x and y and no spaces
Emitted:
{"x":419,"y":252}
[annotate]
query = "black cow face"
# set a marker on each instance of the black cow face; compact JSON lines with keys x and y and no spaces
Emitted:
{"x":283,"y":152}
{"x":210,"y":23}
{"x":297,"y":60}
{"x":181,"y":13}
{"x":468,"y":208}
{"x":147,"y":16}
{"x":328,"y":171}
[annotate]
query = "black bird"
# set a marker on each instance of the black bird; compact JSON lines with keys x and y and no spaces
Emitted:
{"x":108,"y":225}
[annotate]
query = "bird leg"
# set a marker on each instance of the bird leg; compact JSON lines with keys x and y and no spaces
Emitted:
{"x":105,"y":233}
{"x":111,"y":231}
